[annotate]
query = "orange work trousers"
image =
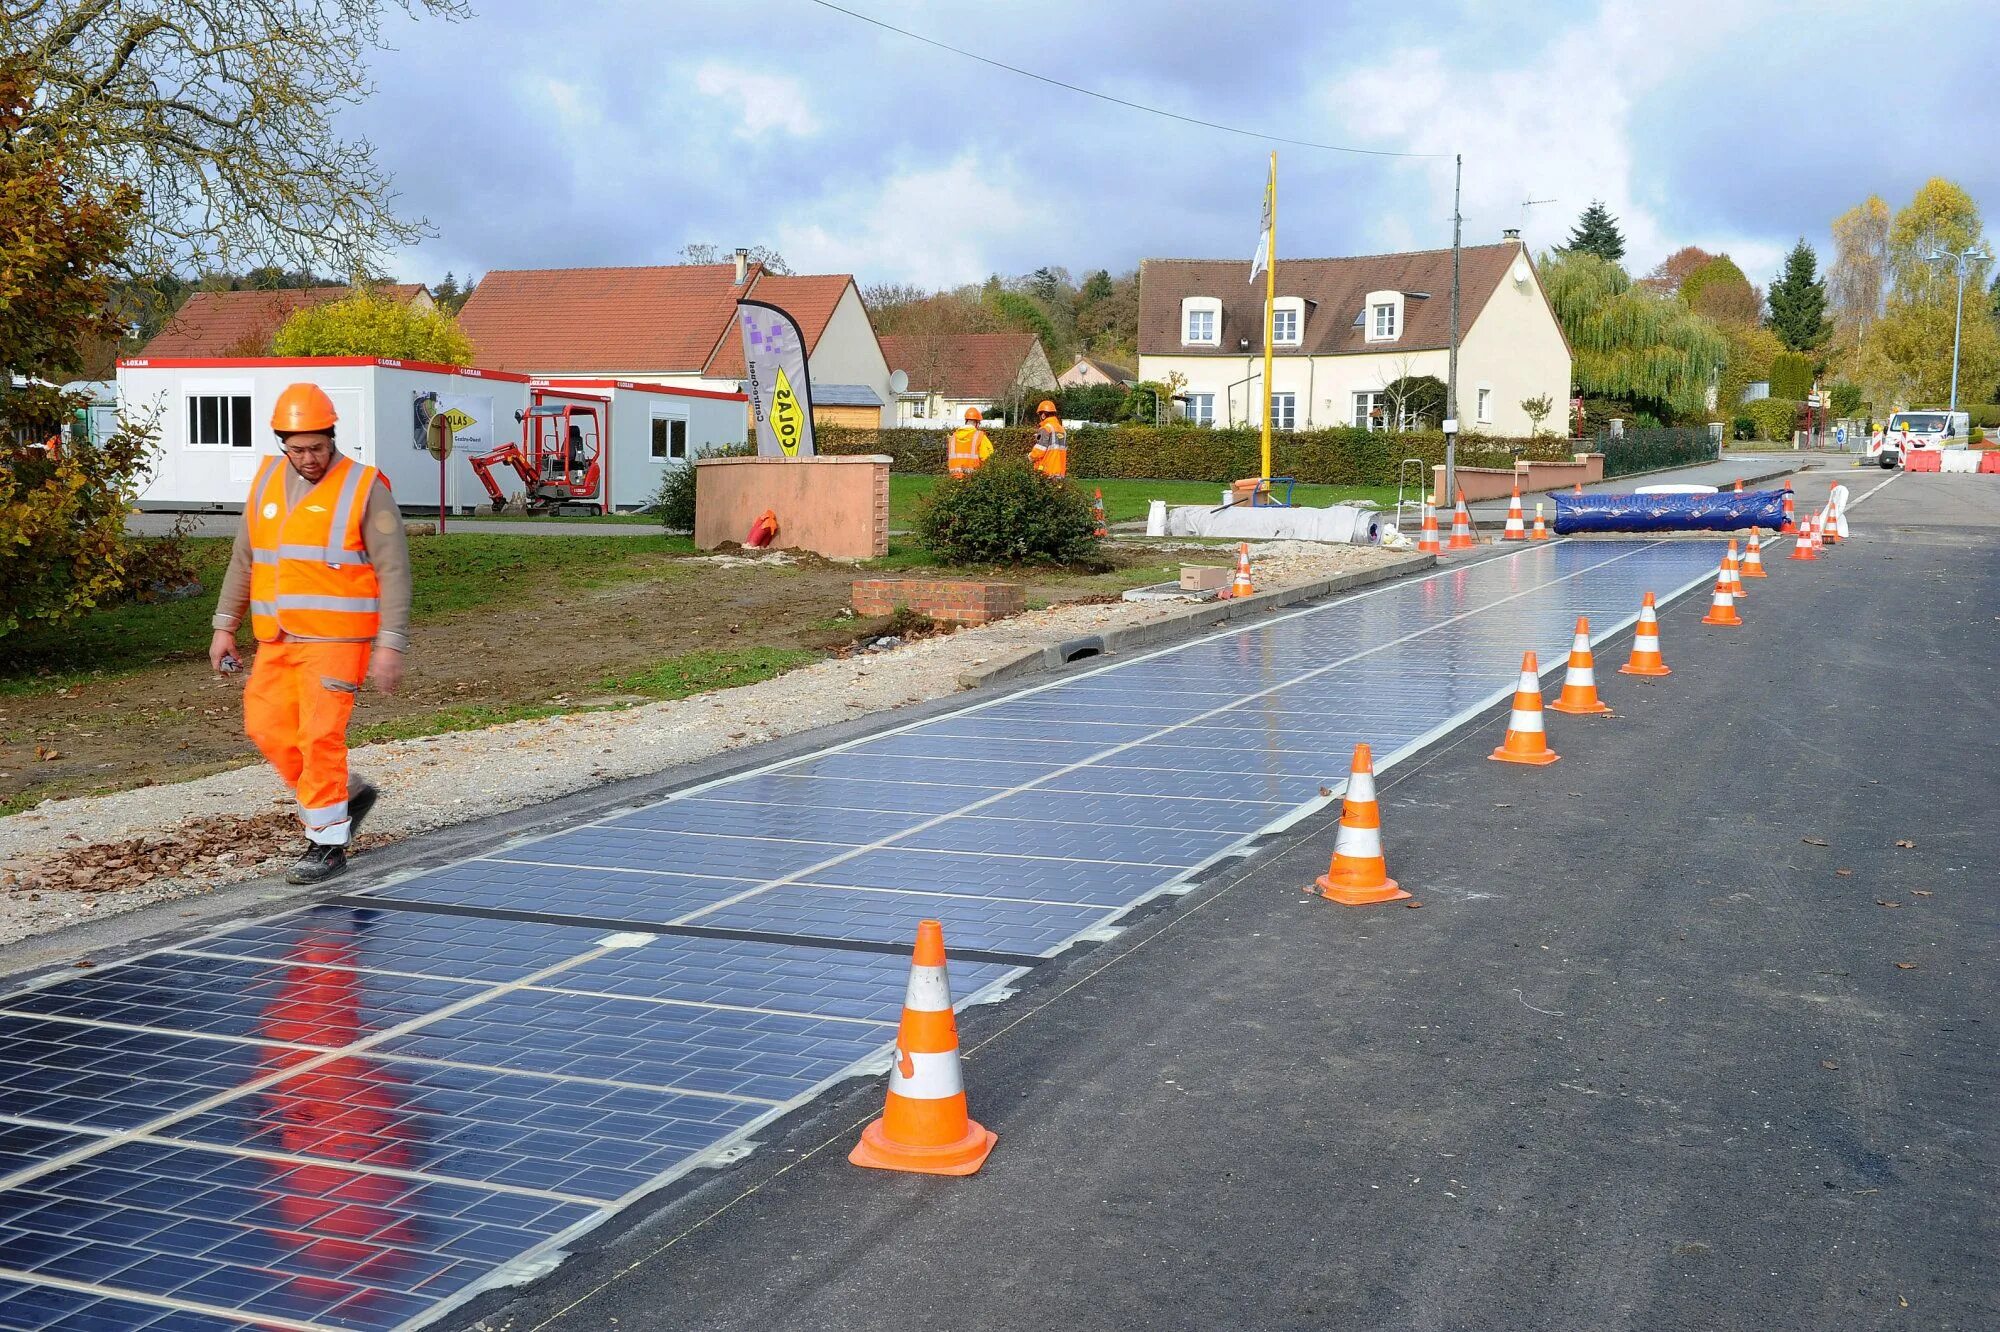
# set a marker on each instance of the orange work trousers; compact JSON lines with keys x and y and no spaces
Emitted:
{"x":295,"y":710}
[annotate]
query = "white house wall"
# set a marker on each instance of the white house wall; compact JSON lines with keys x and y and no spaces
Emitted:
{"x":1325,"y":385}
{"x":1515,"y":348}
{"x":848,"y":353}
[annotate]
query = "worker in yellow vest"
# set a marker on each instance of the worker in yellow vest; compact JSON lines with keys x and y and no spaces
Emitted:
{"x":969,"y":446}
{"x":1051,"y":452}
{"x":323,"y":568}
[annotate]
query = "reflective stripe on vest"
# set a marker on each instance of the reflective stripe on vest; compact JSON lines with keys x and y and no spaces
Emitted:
{"x":310,"y":575}
{"x":963,"y":455}
{"x":1053,"y":446}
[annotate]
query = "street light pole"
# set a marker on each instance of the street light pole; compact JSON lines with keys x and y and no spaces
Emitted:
{"x":1958,"y":321}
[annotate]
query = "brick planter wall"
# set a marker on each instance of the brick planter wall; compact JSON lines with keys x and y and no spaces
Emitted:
{"x":959,"y":600}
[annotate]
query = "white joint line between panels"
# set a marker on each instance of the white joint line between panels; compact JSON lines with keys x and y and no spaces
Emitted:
{"x":163,"y":1301}
{"x":324,"y":1056}
{"x":666,"y":1002}
{"x":878,"y":890}
{"x":806,"y":874}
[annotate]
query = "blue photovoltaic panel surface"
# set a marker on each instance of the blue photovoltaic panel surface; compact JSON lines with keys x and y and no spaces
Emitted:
{"x":351,"y":1117}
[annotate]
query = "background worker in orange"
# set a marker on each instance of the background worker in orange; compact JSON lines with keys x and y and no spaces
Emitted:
{"x":1051,"y":452}
{"x":323,"y":567}
{"x":969,"y":446}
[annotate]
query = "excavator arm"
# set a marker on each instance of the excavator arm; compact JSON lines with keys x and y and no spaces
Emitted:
{"x":507,"y":455}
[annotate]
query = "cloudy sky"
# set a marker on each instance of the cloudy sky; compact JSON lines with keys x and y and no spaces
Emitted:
{"x":614,"y":133}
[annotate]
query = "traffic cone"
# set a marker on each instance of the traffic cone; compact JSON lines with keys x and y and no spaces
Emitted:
{"x":1739,"y":485}
{"x":1722,"y":605}
{"x":1579,"y":695}
{"x":924,"y":1126}
{"x":1541,"y":532}
{"x":1525,"y":742}
{"x":1791,"y":525}
{"x":1753,"y":559}
{"x":1819,"y":534}
{"x":1241,"y":586}
{"x":1646,"y":658}
{"x":1732,"y":568}
{"x":1428,"y":541}
{"x":1097,"y":513}
{"x":1802,"y":544}
{"x":1358,"y":876}
{"x":1517,"y":528}
{"x":1461,"y":527}
{"x":1829,"y":525}
{"x":1578,"y":490}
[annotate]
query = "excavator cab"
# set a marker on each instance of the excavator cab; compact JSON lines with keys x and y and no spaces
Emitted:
{"x":558,"y":459}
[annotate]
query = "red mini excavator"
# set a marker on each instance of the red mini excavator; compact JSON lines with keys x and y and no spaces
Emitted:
{"x":558,"y":460}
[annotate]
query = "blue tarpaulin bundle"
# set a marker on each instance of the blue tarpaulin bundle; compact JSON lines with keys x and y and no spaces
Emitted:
{"x":1726,"y":511}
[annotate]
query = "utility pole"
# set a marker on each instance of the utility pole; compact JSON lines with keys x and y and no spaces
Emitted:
{"x":1451,"y":365}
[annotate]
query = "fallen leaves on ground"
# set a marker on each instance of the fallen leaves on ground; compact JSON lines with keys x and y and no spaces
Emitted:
{"x":1829,"y":1063}
{"x":1920,"y":892}
{"x":1885,"y":902}
{"x":1905,"y":843}
{"x":1813,"y":841}
{"x":1844,"y":873}
{"x":204,"y":850}
{"x":1906,"y":966}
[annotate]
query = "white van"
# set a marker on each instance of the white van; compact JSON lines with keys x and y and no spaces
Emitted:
{"x":1913,"y":432}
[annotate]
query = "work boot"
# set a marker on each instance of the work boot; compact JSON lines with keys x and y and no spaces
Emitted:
{"x":361,"y":794}
{"x":318,"y":864}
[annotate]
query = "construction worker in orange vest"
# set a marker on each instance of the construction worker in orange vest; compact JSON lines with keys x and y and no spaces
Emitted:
{"x":969,"y":447}
{"x":1051,"y":452}
{"x":323,"y":568}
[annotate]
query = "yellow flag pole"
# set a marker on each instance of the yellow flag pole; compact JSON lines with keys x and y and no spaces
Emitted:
{"x":1270,"y":305}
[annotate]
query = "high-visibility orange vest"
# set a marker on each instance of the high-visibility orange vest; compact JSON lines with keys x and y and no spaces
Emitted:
{"x":310,"y":576}
{"x":969,"y":447}
{"x":1051,"y":452}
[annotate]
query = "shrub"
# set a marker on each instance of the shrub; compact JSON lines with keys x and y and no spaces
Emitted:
{"x":1091,"y":402}
{"x":674,"y":500}
{"x":368,"y":324}
{"x":1791,"y":375}
{"x":1776,"y":418}
{"x":1007,"y":511}
{"x":1847,"y":399}
{"x":1978,"y":437}
{"x":1984,"y":414}
{"x":1743,"y":427}
{"x":1651,"y":448}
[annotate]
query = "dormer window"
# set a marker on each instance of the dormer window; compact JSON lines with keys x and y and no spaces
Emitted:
{"x":1201,"y":321}
{"x":1382,"y":316}
{"x":1288,"y":321}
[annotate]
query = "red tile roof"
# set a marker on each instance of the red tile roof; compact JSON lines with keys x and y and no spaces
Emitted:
{"x":964,"y":365}
{"x":663,"y":319}
{"x":242,"y":323}
{"x":1335,"y":290}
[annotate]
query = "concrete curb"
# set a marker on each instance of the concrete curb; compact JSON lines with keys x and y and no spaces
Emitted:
{"x":1033,"y":661}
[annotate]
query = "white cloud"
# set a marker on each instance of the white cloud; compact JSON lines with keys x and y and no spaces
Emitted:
{"x":937,"y":226}
{"x":1546,"y":122}
{"x":764,"y":102}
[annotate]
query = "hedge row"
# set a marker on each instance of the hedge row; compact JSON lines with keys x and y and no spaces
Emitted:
{"x":1664,"y":446}
{"x":1339,"y":457}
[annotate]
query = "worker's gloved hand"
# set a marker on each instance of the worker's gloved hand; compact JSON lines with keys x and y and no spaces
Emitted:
{"x":221,"y":644}
{"x":386,"y":669}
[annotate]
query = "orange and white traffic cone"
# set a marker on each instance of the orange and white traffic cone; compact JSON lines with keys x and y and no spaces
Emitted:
{"x":924,"y":1126}
{"x":1753,"y":559}
{"x":1579,"y":693}
{"x":1541,"y":532}
{"x":1461,"y":527}
{"x":1526,"y":742}
{"x":1517,"y":527}
{"x":1578,"y":490}
{"x":1646,"y":658}
{"x":1429,"y":542}
{"x":1097,"y":514}
{"x":1819,"y":533}
{"x":1732,"y":567}
{"x":1802,"y":544}
{"x":1722,"y":605}
{"x":1739,"y":485}
{"x":1829,"y":525}
{"x":1791,"y":523}
{"x":1358,"y":876}
{"x":1240,"y":585}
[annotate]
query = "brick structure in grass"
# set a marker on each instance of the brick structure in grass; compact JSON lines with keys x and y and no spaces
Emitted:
{"x":959,"y":600}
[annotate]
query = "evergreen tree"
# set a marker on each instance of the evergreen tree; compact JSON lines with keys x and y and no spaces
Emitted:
{"x":1798,"y":302}
{"x":445,"y":292}
{"x":1597,"y":233}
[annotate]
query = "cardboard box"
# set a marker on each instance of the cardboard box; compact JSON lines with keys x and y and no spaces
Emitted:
{"x":1203,"y":578}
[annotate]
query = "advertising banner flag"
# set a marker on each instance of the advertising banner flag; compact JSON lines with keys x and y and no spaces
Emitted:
{"x":774,"y":368}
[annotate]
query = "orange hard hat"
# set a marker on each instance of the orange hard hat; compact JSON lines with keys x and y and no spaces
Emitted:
{"x":1047,"y":408}
{"x":972,"y":414}
{"x":303,"y":407}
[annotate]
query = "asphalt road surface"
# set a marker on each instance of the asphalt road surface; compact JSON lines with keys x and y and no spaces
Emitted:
{"x":1683,"y":1036}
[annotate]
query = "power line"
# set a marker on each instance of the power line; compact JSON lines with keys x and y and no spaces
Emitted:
{"x":1107,"y":97}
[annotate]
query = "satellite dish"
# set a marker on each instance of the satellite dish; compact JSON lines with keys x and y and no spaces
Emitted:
{"x":898,"y":381}
{"x":1520,"y":270}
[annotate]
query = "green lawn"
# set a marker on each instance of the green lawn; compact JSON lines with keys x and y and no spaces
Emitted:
{"x":610,"y":519}
{"x":1126,"y":501}
{"x":455,"y":572}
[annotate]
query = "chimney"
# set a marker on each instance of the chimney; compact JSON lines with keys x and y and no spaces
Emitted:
{"x":1511,"y":234}
{"x":742,"y":265}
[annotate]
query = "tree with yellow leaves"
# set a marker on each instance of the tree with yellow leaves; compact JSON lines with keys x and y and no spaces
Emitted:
{"x":369,"y":324}
{"x":1905,"y":357}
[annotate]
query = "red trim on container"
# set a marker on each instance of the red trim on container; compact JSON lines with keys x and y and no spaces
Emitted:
{"x":670,"y":389}
{"x":308,"y":362}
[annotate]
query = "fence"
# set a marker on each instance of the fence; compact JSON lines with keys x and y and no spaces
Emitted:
{"x":1647,"y":450}
{"x":1341,"y":457}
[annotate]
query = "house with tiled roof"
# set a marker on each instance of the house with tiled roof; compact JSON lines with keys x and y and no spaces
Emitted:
{"x":949,"y":372}
{"x":675,"y":325}
{"x":1089,"y":371}
{"x":1345,"y":330}
{"x":226,"y":324}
